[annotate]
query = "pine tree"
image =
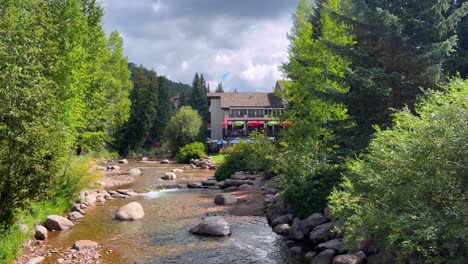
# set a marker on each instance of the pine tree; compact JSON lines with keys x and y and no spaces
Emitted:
{"x":401,"y":49}
{"x":220,"y":88}
{"x":199,"y":99}
{"x":165,"y":110}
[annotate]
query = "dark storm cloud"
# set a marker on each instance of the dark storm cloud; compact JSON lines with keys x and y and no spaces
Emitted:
{"x":181,"y":37}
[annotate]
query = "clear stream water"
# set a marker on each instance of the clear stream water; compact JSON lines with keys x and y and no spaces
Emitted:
{"x":162,"y":236}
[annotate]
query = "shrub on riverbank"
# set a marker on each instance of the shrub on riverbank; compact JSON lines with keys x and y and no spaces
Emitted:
{"x":194,"y":150}
{"x":409,"y":192}
{"x":184,"y":128}
{"x":258,"y":156}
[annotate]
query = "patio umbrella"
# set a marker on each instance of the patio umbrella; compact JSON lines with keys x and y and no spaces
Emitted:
{"x":222,"y":142}
{"x":227,"y":123}
{"x":255,"y":123}
{"x":235,"y":141}
{"x":273,"y":123}
{"x":239,"y":123}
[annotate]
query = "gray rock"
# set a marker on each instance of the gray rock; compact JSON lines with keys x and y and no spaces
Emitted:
{"x":284,"y":219}
{"x":312,"y":221}
{"x":277,"y":208}
{"x":84,"y":245}
{"x":165,"y":161}
{"x":310,"y":255}
{"x":144,"y":159}
{"x":325,"y":257}
{"x":58,"y":223}
{"x":209,"y":183}
{"x":177,"y":170}
{"x":130,"y":212}
{"x":123,"y":161}
{"x":296,"y":250}
{"x":231,"y":189}
{"x":337,"y":245}
{"x":231,"y":182}
{"x":238,"y":176}
{"x":36,"y":260}
{"x":213,"y":226}
{"x":134,"y":171}
{"x":282,"y":229}
{"x":245,"y":187}
{"x":169,"y":176}
{"x":90,"y":199}
{"x":224,"y":199}
{"x":347,"y":259}
{"x":220,"y":184}
{"x":322,"y":233}
{"x":295,"y":232}
{"x":40,"y":232}
{"x":75,"y":216}
{"x":194,"y":185}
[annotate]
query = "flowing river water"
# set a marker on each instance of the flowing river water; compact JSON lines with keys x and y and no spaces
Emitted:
{"x":162,"y":236}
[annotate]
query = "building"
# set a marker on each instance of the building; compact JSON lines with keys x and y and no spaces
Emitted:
{"x":238,"y":114}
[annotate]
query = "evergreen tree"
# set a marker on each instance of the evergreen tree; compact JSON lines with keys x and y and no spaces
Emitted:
{"x":165,"y":110}
{"x":199,"y":99}
{"x":220,"y":88}
{"x":401,"y":49}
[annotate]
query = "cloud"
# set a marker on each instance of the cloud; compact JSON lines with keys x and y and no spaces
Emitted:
{"x":245,"y":38}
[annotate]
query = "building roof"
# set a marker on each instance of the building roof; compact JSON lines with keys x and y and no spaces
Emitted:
{"x":229,"y":100}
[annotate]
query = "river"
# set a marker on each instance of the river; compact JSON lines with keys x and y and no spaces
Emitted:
{"x":162,"y":235}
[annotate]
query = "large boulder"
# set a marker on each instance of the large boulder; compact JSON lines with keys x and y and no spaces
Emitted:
{"x":75,"y":216}
{"x":231,"y":189}
{"x":312,"y":221}
{"x":337,"y":245}
{"x":224,"y":199}
{"x":134,"y":171}
{"x":239,"y":176}
{"x":58,"y":223}
{"x":282,"y":229}
{"x":325,"y":257}
{"x":209,"y":183}
{"x":348,"y":259}
{"x":284,"y":219}
{"x":177,"y":170}
{"x":169,"y":176}
{"x":89,"y":199}
{"x":231,"y":182}
{"x":130,"y":212}
{"x":40,"y":232}
{"x":322,"y":233}
{"x":277,"y":208}
{"x":213,"y":226}
{"x":84,"y":245}
{"x":295,"y":232}
{"x":165,"y":161}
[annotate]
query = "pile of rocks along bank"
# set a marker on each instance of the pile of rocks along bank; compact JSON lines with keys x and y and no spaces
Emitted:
{"x":240,"y":181}
{"x":316,"y":236}
{"x":203,"y":163}
{"x":86,"y":199}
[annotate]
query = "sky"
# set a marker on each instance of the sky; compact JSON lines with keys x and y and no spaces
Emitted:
{"x":239,"y":42}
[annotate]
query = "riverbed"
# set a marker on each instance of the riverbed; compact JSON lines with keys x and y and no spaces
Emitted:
{"x":162,"y":236}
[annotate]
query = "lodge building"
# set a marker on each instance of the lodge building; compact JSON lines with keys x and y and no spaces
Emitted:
{"x":238,"y":114}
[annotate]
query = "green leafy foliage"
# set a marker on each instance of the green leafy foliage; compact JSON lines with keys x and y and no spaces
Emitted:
{"x":258,"y":156}
{"x":409,"y":191}
{"x":194,"y":150}
{"x":183,"y":128}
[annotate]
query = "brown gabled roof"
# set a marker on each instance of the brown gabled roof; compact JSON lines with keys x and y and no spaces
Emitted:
{"x":229,"y":100}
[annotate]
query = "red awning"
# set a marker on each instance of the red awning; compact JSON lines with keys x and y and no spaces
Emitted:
{"x":255,"y":123}
{"x":286,"y":123}
{"x":227,"y":123}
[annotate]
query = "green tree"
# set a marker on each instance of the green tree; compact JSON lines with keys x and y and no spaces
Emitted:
{"x":165,"y":109}
{"x":199,"y":99}
{"x":409,"y":191}
{"x":183,"y":128}
{"x":314,"y":95}
{"x":219,"y":88}
{"x":402,"y":47}
{"x":30,"y":136}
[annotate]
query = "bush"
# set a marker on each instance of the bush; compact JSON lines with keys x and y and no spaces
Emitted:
{"x":191,"y":151}
{"x":409,"y":191}
{"x":253,"y":157}
{"x":305,"y":180}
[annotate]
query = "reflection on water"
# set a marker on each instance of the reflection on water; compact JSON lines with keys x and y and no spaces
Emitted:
{"x":162,"y":235}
